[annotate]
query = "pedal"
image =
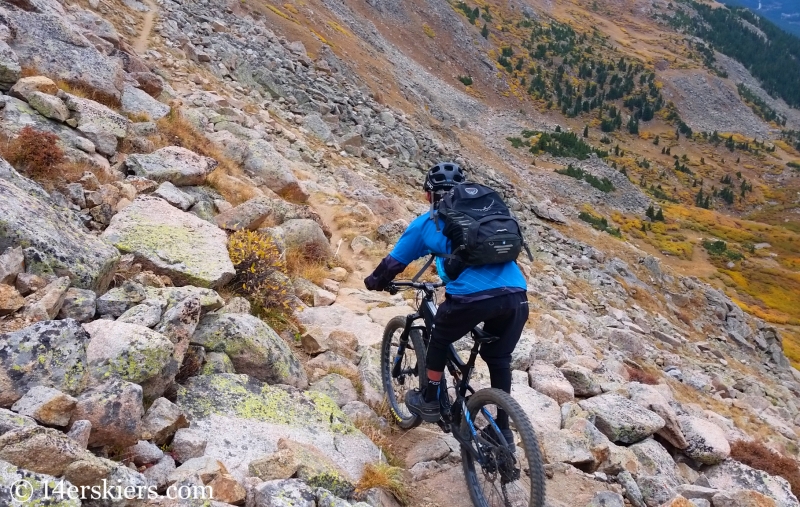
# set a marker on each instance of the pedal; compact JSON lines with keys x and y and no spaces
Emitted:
{"x":444,"y":425}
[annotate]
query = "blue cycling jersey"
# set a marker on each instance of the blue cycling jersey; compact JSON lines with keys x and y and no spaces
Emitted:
{"x":421,"y":238}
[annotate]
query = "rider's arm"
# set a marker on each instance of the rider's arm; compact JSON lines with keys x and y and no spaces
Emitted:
{"x":410,"y":247}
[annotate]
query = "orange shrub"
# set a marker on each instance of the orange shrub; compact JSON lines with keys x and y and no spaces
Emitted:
{"x":757,"y":455}
{"x":35,"y":153}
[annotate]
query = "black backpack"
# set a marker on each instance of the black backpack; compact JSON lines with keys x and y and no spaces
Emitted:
{"x":480,"y":227}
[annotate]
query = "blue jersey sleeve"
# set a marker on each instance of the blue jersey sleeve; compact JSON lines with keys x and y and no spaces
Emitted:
{"x":420,"y":239}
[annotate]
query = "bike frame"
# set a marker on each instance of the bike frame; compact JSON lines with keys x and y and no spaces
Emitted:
{"x":452,"y":413}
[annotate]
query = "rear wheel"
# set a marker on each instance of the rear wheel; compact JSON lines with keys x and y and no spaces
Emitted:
{"x":506,"y":478}
{"x":412,"y":370}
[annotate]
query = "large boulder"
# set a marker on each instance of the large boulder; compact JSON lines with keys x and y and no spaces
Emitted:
{"x":101,"y":125}
{"x":177,"y":165}
{"x":306,"y":235}
{"x":137,"y":101}
{"x":549,"y":380}
{"x":542,"y":410}
{"x":706,"y":441}
{"x":254,"y":416}
{"x":650,"y":398}
{"x":166,"y":240}
{"x":127,"y":351}
{"x":46,"y":41}
{"x":47,"y":405}
{"x":53,"y":238}
{"x":10,"y":70}
{"x":263,"y":162}
{"x":742,"y":498}
{"x":115,"y":410}
{"x":620,"y":419}
{"x":584,"y":382}
{"x":49,"y":353}
{"x":731,"y":475}
{"x":655,"y":460}
{"x":253,"y":347}
{"x":38,"y":449}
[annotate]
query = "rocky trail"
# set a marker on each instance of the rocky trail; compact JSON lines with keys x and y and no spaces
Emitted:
{"x":137,"y":346}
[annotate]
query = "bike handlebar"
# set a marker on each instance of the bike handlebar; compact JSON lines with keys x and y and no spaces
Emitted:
{"x":393,"y":287}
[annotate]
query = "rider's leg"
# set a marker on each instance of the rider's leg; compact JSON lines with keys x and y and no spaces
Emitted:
{"x":508,"y":326}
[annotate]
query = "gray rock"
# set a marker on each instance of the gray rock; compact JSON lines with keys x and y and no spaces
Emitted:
{"x":358,"y":410}
{"x":584,"y":382}
{"x":144,"y":453}
{"x":251,"y":214}
{"x":158,"y":474}
{"x":12,"y":263}
{"x":50,"y":353}
{"x":101,"y":125}
{"x":162,"y":420}
{"x":79,"y":304}
{"x":707,"y":443}
{"x":284,"y":493}
{"x":650,"y":398}
{"x":606,"y":499}
{"x":307,"y":236}
{"x":54,"y":238}
{"x":391,"y":231}
{"x":188,"y":444}
{"x":549,"y":212}
{"x":543,"y":411}
{"x":10,"y":421}
{"x":27,"y":85}
{"x":360,"y":243}
{"x":236,"y":305}
{"x":655,"y":490}
{"x":10,"y":70}
{"x":49,"y":106}
{"x":217,"y":362}
{"x":45,"y":303}
{"x":177,"y":165}
{"x":166,"y":240}
{"x":10,"y":477}
{"x":263,"y":162}
{"x":174,"y":196}
{"x":254,"y":348}
{"x":620,"y":419}
{"x":127,"y":351}
{"x":549,"y":380}
{"x":147,"y":314}
{"x":632,"y":491}
{"x":115,"y":411}
{"x":731,"y":475}
{"x":741,"y":498}
{"x":137,"y":101}
{"x":47,"y":405}
{"x":691,"y":491}
{"x":337,"y":387}
{"x":80,"y":431}
{"x":654,"y":460}
{"x":318,"y":127}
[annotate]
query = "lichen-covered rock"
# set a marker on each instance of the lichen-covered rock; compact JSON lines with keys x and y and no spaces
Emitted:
{"x":80,"y":431}
{"x":170,"y":296}
{"x":606,"y":499}
{"x":137,"y":101}
{"x":23,"y":88}
{"x":656,"y":490}
{"x":11,"y":475}
{"x":217,"y":362}
{"x":10,"y":421}
{"x":127,"y":351}
{"x":177,"y":165}
{"x":254,"y":416}
{"x":584,"y":382}
{"x":49,"y":353}
{"x":249,"y":215}
{"x":339,"y":388}
{"x":549,"y":380}
{"x":55,"y":240}
{"x":49,"y":106}
{"x":305,"y":462}
{"x":162,"y":420}
{"x":39,"y":449}
{"x":115,"y":410}
{"x":10,"y":70}
{"x":731,"y":475}
{"x":118,"y":300}
{"x":620,"y":419}
{"x":147,"y":314}
{"x":706,"y":441}
{"x":79,"y":304}
{"x":101,"y":125}
{"x":47,"y":405}
{"x":542,"y":410}
{"x":253,"y":347}
{"x":166,"y":240}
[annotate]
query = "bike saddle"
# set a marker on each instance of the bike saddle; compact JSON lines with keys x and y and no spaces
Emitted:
{"x":481,"y":336}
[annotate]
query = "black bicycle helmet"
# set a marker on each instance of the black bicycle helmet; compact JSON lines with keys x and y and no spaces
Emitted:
{"x":443,"y":176}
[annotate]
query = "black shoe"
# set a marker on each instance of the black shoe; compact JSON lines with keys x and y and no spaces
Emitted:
{"x":428,"y":410}
{"x":490,"y":433}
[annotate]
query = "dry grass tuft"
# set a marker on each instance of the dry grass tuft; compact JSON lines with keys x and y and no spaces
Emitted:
{"x":641,"y":376}
{"x":757,"y":455}
{"x":307,"y":263}
{"x":87,"y":92}
{"x":354,"y":378}
{"x":35,"y":153}
{"x":386,"y":477}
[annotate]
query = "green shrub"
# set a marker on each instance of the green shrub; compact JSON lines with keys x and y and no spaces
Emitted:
{"x":260,"y":271}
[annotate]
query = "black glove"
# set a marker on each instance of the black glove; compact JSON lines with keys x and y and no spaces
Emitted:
{"x":384,"y":273}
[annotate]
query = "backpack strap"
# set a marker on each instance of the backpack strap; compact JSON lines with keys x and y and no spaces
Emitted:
{"x":425,"y":267}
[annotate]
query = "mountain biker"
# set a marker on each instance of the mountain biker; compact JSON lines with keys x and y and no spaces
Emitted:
{"x":494,"y":294}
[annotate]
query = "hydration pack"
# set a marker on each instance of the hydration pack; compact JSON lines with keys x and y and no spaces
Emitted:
{"x":480,"y":227}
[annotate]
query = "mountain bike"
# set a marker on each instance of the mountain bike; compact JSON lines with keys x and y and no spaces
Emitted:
{"x":497,"y":472}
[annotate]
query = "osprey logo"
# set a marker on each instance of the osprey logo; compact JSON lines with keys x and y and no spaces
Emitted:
{"x":471,"y":190}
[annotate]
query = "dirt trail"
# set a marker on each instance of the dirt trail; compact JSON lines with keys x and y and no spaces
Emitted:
{"x":144,"y":36}
{"x":360,"y":267}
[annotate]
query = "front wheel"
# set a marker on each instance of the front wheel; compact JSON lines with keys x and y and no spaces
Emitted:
{"x":508,"y":476}
{"x":412,"y":371}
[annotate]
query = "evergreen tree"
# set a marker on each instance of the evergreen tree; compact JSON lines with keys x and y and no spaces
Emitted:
{"x":659,"y":215}
{"x":586,"y":131}
{"x":485,"y":31}
{"x":650,"y":213}
{"x":655,"y":141}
